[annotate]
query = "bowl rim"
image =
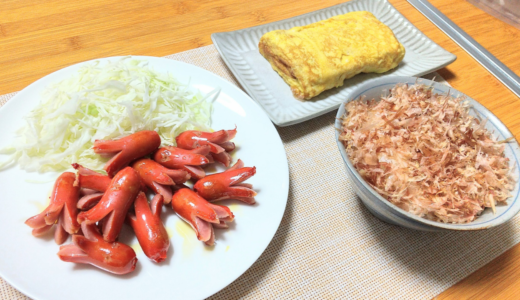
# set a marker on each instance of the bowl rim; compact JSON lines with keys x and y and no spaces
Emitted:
{"x":514,"y":206}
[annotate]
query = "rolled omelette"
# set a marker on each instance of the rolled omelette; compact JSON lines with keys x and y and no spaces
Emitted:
{"x":321,"y":55}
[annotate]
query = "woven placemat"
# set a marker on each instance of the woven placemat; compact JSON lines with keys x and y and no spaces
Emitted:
{"x":328,"y":245}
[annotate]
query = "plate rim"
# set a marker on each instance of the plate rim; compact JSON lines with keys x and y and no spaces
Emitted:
{"x":244,"y":96}
{"x":218,"y":38}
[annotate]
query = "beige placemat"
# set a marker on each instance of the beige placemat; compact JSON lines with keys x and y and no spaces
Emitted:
{"x":328,"y":245}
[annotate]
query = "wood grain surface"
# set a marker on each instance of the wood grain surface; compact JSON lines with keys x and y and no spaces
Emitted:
{"x":38,"y":37}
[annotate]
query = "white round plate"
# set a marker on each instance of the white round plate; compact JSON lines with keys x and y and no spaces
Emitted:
{"x":192,"y":270}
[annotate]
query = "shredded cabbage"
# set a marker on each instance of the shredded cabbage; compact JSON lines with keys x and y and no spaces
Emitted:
{"x":106,"y":100}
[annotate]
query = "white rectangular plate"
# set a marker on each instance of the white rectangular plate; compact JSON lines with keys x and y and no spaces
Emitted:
{"x":239,"y":49}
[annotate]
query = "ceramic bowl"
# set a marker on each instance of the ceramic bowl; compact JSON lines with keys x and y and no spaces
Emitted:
{"x":392,"y":214}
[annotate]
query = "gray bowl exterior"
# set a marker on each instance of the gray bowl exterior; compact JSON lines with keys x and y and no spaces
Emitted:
{"x":388,"y":212}
{"x":382,"y":211}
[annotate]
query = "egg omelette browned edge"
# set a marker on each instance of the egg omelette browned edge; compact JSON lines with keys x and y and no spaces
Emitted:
{"x":321,"y":55}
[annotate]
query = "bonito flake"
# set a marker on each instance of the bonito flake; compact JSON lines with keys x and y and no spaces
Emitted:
{"x":424,"y":153}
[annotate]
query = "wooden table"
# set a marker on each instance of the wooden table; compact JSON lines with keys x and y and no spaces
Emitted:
{"x":38,"y":37}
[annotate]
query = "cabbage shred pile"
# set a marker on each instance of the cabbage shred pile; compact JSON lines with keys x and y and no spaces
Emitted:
{"x":424,"y":153}
{"x":106,"y":100}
